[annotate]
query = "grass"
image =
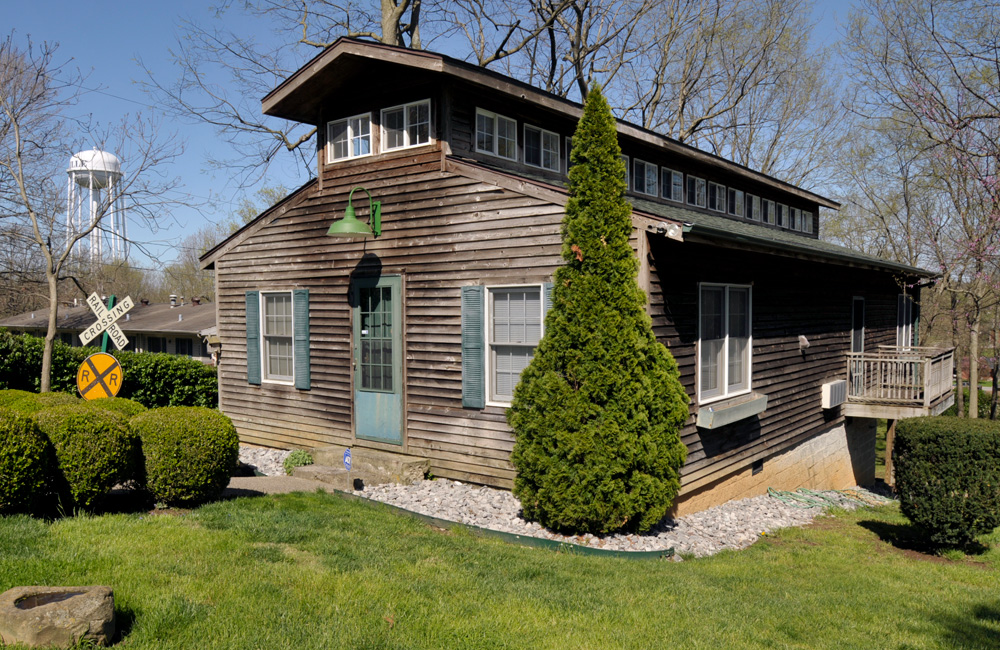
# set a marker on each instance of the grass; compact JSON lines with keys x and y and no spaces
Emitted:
{"x":318,"y":571}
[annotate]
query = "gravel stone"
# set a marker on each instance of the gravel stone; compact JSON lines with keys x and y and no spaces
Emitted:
{"x":265,"y":460}
{"x":734,"y":525}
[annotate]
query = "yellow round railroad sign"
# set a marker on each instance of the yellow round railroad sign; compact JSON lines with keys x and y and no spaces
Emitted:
{"x":100,"y":375}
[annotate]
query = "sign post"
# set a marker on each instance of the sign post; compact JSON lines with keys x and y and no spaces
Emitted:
{"x":100,"y":375}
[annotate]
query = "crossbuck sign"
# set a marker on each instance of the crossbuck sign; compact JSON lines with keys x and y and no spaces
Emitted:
{"x":106,"y":321}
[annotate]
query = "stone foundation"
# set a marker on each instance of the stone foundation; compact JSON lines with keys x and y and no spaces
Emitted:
{"x":841,"y":457}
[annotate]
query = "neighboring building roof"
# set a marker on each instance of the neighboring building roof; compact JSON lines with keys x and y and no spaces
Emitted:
{"x":299,"y":97}
{"x":158,"y":318}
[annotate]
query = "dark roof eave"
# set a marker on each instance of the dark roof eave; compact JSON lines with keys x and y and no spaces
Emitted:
{"x":848,"y":258}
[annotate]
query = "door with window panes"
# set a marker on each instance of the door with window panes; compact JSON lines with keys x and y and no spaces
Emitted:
{"x":378,"y":381}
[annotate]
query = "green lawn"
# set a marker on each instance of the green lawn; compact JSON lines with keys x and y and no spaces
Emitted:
{"x":318,"y":571}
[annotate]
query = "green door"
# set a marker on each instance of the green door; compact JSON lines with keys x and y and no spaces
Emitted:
{"x":378,"y":377}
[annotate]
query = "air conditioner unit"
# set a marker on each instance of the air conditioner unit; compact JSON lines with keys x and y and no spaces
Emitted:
{"x":834,"y":393}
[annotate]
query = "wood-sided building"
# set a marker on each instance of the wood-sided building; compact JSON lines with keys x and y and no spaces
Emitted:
{"x":413,"y":341}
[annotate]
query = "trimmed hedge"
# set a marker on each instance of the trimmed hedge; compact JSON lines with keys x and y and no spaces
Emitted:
{"x":29,"y":403}
{"x":984,"y":405}
{"x":122,"y":406}
{"x":152,"y":379}
{"x":24,"y":463}
{"x":95,"y":450}
{"x":190,"y":453}
{"x":948,"y":476}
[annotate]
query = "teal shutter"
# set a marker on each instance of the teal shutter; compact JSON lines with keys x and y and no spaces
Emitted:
{"x":253,"y":337}
{"x":546,"y":298}
{"x":473,"y":349}
{"x":300,"y":318}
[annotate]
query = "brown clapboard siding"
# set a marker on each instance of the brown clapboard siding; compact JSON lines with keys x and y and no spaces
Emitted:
{"x":790,"y":298}
{"x":441,"y":231}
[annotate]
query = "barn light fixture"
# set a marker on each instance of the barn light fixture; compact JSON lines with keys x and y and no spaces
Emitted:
{"x":351,"y":226}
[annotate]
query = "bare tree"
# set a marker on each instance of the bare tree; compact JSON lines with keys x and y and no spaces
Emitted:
{"x":932,"y":66}
{"x":36,"y":142}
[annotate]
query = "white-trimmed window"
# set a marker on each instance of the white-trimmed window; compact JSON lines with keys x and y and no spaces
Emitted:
{"x":793,"y":219}
{"x":496,"y":134}
{"x":514,"y":328}
{"x":277,"y":351}
{"x":644,"y":177}
{"x":628,"y":185}
{"x":348,"y":138}
{"x":569,"y":153}
{"x":541,"y":148}
{"x":696,"y":191}
{"x":671,"y":185}
{"x":767,"y":211}
{"x":906,"y":318}
{"x":753,"y":207}
{"x":780,"y":212}
{"x":807,"y":221}
{"x":724,"y":341}
{"x":736,"y":202}
{"x":408,"y":125}
{"x":716,"y":197}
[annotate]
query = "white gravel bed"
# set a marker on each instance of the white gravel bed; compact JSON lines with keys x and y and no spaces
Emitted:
{"x":267,"y":461}
{"x":733,"y":525}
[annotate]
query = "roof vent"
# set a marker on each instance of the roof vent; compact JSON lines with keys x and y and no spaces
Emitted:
{"x":173,"y":300}
{"x":144,"y":302}
{"x":196,"y":301}
{"x":180,"y":317}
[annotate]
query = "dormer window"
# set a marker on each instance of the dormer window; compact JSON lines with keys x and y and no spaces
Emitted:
{"x":767,"y":211}
{"x":496,"y":134}
{"x":780,"y":211}
{"x":672,"y":185}
{"x":736,"y":202}
{"x":408,"y":125}
{"x":644,"y":177}
{"x":349,"y":138}
{"x":696,"y":191}
{"x":541,"y":148}
{"x":793,"y":218}
{"x":753,"y":207}
{"x":807,"y":222}
{"x":716,"y":197}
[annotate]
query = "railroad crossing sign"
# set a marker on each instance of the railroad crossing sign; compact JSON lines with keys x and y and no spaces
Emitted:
{"x":100,"y":375}
{"x":106,"y":317}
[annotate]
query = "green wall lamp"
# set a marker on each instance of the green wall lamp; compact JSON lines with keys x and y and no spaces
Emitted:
{"x":351,"y":226}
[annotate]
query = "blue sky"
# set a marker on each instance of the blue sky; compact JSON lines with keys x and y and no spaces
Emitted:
{"x":105,"y":39}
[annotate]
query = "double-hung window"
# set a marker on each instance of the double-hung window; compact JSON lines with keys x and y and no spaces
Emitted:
{"x":541,"y":148}
{"x":408,"y":125}
{"x":780,"y":213}
{"x":736,"y":202}
{"x":349,"y":138}
{"x":696,"y":191}
{"x":767,"y":211}
{"x":276,"y":334}
{"x":671,"y":185}
{"x":724,"y":341}
{"x":514,"y":328}
{"x":624,"y":159}
{"x":716,"y":197}
{"x":793,"y":218}
{"x":753,"y":207}
{"x":807,"y":222}
{"x":496,"y":134}
{"x":644,"y":177}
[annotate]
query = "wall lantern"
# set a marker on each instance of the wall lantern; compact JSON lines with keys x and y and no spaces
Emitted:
{"x":351,"y":226}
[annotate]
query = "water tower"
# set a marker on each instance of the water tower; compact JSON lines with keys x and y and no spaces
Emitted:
{"x":95,"y":193}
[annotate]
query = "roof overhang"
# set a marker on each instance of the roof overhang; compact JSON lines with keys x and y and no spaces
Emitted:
{"x":346,"y":63}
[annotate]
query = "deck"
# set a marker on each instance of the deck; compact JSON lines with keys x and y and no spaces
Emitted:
{"x":893,"y":382}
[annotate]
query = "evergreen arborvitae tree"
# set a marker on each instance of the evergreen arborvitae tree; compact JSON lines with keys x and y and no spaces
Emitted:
{"x":597,"y":412}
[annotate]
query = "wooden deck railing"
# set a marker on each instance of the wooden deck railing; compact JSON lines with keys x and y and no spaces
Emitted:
{"x":895,"y":376}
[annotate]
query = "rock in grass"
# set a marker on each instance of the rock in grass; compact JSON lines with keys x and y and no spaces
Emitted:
{"x":60,"y":617}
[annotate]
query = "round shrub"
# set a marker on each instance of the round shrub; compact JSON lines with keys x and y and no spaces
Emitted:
{"x":121,"y":405}
{"x":948,"y":476}
{"x":11,"y":396}
{"x":24,"y":463}
{"x":95,"y":450}
{"x":190,"y":453}
{"x":34,"y":402}
{"x":297,"y":458}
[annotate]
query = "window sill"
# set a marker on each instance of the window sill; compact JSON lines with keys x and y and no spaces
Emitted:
{"x":726,"y":412}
